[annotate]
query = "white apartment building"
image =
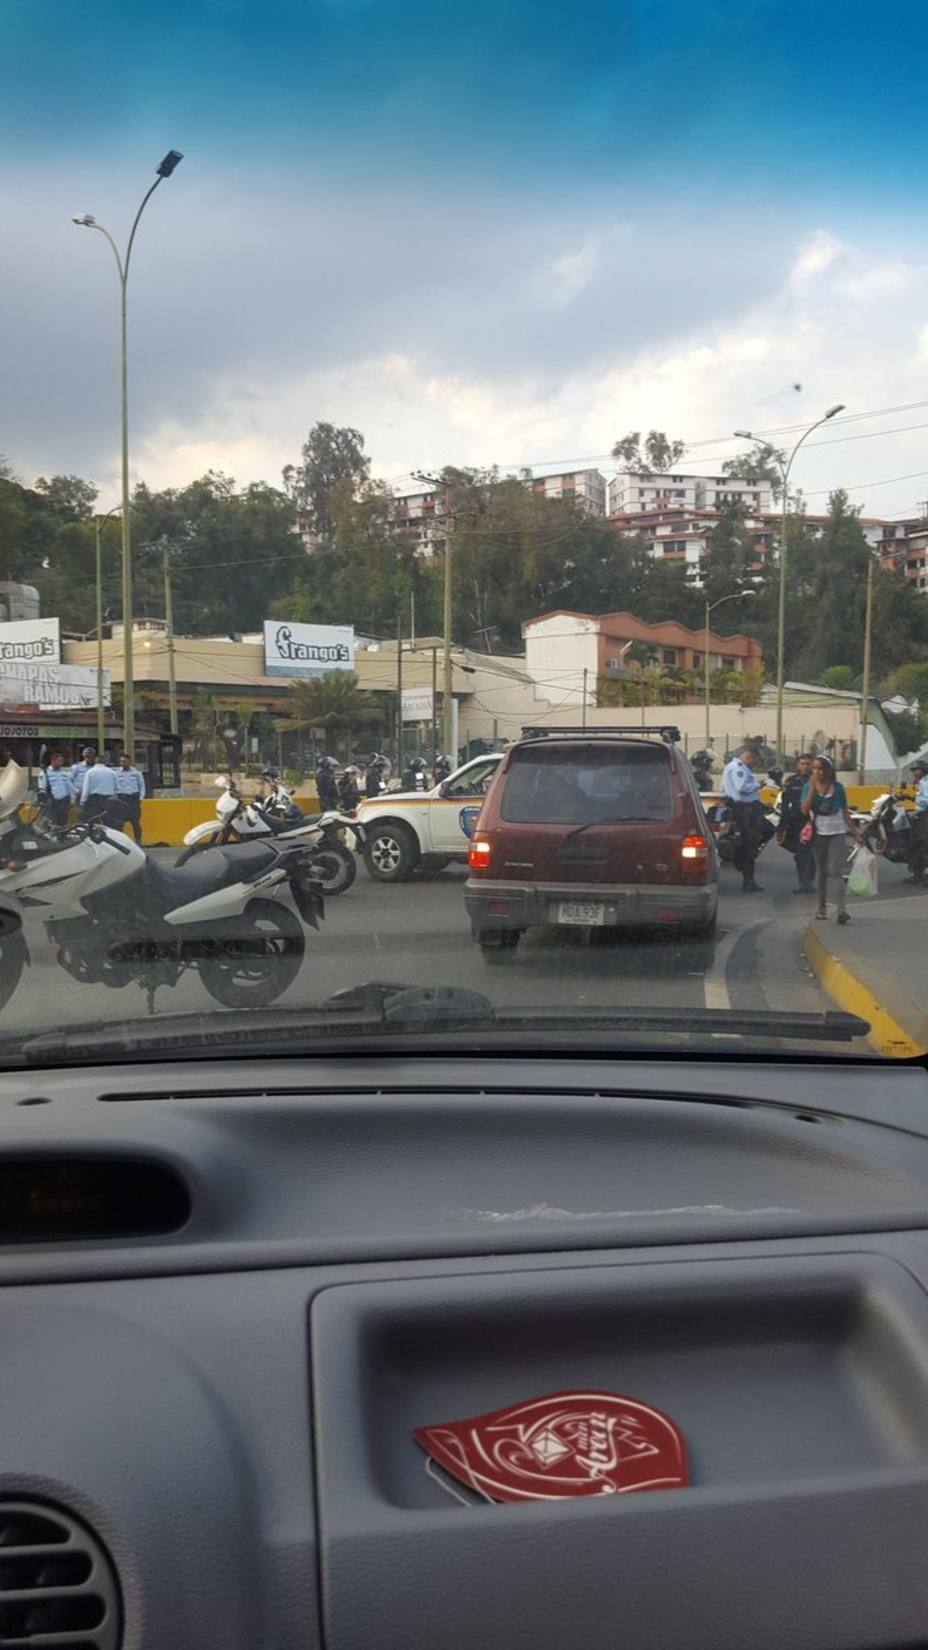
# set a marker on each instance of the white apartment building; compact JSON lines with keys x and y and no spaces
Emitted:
{"x":586,"y":487}
{"x":635,"y":490}
{"x":419,"y":514}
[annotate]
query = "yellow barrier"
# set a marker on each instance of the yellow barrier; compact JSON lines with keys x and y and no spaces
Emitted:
{"x":169,"y":818}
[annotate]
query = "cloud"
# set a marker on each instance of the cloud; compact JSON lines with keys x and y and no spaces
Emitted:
{"x":838,"y":339}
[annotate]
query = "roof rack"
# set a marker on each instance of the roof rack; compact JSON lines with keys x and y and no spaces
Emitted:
{"x":668,"y":733}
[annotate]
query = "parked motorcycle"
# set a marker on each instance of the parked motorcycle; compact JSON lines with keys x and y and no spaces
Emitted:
{"x":242,"y":819}
{"x":118,"y":916}
{"x":887,"y":829}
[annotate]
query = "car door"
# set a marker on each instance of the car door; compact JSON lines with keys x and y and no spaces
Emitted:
{"x":468,"y":785}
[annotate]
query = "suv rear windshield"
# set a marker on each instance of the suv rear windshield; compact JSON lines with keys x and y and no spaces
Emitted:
{"x":580,"y":785}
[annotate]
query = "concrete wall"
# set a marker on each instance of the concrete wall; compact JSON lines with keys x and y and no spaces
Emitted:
{"x":557,"y":651}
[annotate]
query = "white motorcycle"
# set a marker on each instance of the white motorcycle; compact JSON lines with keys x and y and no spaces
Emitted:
{"x":242,"y":819}
{"x":118,"y":916}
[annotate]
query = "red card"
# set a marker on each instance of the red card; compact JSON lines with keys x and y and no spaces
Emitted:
{"x":564,"y":1444}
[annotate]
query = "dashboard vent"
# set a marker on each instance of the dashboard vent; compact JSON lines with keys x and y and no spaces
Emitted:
{"x":57,"y":1584}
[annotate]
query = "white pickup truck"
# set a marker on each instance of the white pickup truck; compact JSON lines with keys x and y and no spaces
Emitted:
{"x":410,"y":829}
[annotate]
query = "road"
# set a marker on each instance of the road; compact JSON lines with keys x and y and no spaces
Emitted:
{"x":418,"y":933}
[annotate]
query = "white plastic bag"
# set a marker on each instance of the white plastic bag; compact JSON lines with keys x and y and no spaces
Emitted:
{"x":863,"y":877}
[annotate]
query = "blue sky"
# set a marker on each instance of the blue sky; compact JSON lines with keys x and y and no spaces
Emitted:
{"x":503,"y":230}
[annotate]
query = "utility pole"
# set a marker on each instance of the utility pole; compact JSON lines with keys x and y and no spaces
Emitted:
{"x":865,"y":694}
{"x":169,"y":627}
{"x":434,"y":703}
{"x":583,"y":717}
{"x":399,"y":690}
{"x":99,"y":525}
{"x":447,"y":677}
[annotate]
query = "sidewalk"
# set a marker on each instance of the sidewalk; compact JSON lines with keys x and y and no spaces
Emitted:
{"x":877,"y":967}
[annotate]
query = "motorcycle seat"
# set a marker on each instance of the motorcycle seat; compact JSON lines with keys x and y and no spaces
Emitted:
{"x":292,"y":822}
{"x":206,"y":872}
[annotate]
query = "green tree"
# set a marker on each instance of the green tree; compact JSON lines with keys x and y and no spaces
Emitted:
{"x":840,"y":677}
{"x":68,"y":496}
{"x":332,"y":455}
{"x":728,"y":562}
{"x":330,"y":702}
{"x":762,"y":463}
{"x":245,"y":711}
{"x":912,"y":682}
{"x":654,"y":456}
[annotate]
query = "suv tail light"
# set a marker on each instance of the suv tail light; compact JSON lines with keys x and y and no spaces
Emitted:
{"x":478,"y":855}
{"x":695,"y":847}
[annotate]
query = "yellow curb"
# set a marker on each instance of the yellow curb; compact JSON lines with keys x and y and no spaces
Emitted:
{"x":887,"y":1036}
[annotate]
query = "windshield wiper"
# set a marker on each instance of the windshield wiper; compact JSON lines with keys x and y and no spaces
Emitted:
{"x":378,"y":1011}
{"x":613,"y":819}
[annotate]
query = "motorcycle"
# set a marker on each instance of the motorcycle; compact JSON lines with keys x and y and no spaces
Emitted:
{"x":722,"y":821}
{"x":117,"y":916}
{"x":887,"y":829}
{"x":242,"y":819}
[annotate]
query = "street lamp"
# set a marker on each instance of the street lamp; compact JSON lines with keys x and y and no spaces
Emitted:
{"x":86,"y":220}
{"x":747,"y":435}
{"x":734,"y":595}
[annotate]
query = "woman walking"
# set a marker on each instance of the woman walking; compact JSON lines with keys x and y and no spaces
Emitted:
{"x":824,"y":804}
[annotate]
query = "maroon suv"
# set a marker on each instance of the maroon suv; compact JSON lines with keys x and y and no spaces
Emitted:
{"x":591,"y":830}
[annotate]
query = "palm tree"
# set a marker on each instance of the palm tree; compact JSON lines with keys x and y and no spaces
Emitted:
{"x":246,"y":710}
{"x":329,"y":702}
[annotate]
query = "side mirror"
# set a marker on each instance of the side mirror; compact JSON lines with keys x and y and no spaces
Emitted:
{"x":467,"y":819}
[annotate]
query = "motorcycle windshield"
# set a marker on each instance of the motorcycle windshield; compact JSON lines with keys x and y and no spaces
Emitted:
{"x":14,"y":783}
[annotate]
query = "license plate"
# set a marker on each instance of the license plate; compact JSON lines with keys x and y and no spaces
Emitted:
{"x":586,"y":913}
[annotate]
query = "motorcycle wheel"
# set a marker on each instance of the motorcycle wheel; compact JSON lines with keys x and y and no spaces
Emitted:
{"x":336,"y":867}
{"x":12,"y":963}
{"x":260,"y":959}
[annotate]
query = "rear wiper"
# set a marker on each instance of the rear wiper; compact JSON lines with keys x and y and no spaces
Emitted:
{"x":613,"y":819}
{"x":377,"y":1010}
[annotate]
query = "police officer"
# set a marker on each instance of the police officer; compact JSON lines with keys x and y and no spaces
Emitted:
{"x":98,"y":791}
{"x":130,"y":788}
{"x":918,"y":862}
{"x":80,"y":768}
{"x":55,"y":790}
{"x":741,"y":787}
{"x":325,"y":784}
{"x":414,"y":777}
{"x":792,"y":821}
{"x":373,"y":778}
{"x":442,"y":768}
{"x":349,"y":791}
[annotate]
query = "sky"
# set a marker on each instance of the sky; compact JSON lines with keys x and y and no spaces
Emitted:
{"x":500,"y":232}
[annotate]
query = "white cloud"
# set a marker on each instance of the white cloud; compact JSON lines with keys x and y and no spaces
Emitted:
{"x":815,"y":256}
{"x":836,"y":337}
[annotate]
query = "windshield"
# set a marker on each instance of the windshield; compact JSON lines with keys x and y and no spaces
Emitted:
{"x":553,"y":787}
{"x":468,"y":567}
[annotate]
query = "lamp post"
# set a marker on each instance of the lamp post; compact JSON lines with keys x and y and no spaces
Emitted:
{"x":733,"y":596}
{"x":86,"y":221}
{"x":781,"y":615}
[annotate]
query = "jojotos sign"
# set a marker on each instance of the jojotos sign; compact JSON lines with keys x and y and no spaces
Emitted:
{"x":306,"y":649}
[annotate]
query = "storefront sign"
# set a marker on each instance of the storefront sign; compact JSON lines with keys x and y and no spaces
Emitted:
{"x":417,"y":704}
{"x":306,"y":649}
{"x":26,"y":640}
{"x":51,"y":687}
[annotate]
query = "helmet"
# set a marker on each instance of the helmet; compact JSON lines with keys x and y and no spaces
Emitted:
{"x":352,"y":769}
{"x":270,"y":773}
{"x":919,"y":767}
{"x":327,"y":762}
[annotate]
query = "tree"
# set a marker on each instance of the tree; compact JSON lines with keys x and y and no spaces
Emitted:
{"x":331,"y":456}
{"x":839,"y":677}
{"x":727,"y":564}
{"x":657,"y":454}
{"x":911,"y":681}
{"x":245,"y":710}
{"x":762,"y":463}
{"x":330,"y":702}
{"x":203,"y":717}
{"x":68,"y":496}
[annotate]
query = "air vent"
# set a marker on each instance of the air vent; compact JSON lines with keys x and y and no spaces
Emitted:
{"x":57,"y":1585}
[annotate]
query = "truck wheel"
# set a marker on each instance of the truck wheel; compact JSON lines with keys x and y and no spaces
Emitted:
{"x":430,"y":865}
{"x":390,"y":853}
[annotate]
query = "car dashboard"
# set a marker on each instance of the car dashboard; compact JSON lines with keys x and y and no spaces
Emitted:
{"x":232,"y":1291}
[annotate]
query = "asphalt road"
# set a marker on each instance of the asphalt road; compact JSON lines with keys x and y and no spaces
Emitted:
{"x":418,"y":933}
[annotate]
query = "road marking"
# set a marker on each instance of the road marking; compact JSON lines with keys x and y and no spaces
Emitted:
{"x":714,"y":984}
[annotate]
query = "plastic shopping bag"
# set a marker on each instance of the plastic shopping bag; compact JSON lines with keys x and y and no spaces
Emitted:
{"x":863,"y":877}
